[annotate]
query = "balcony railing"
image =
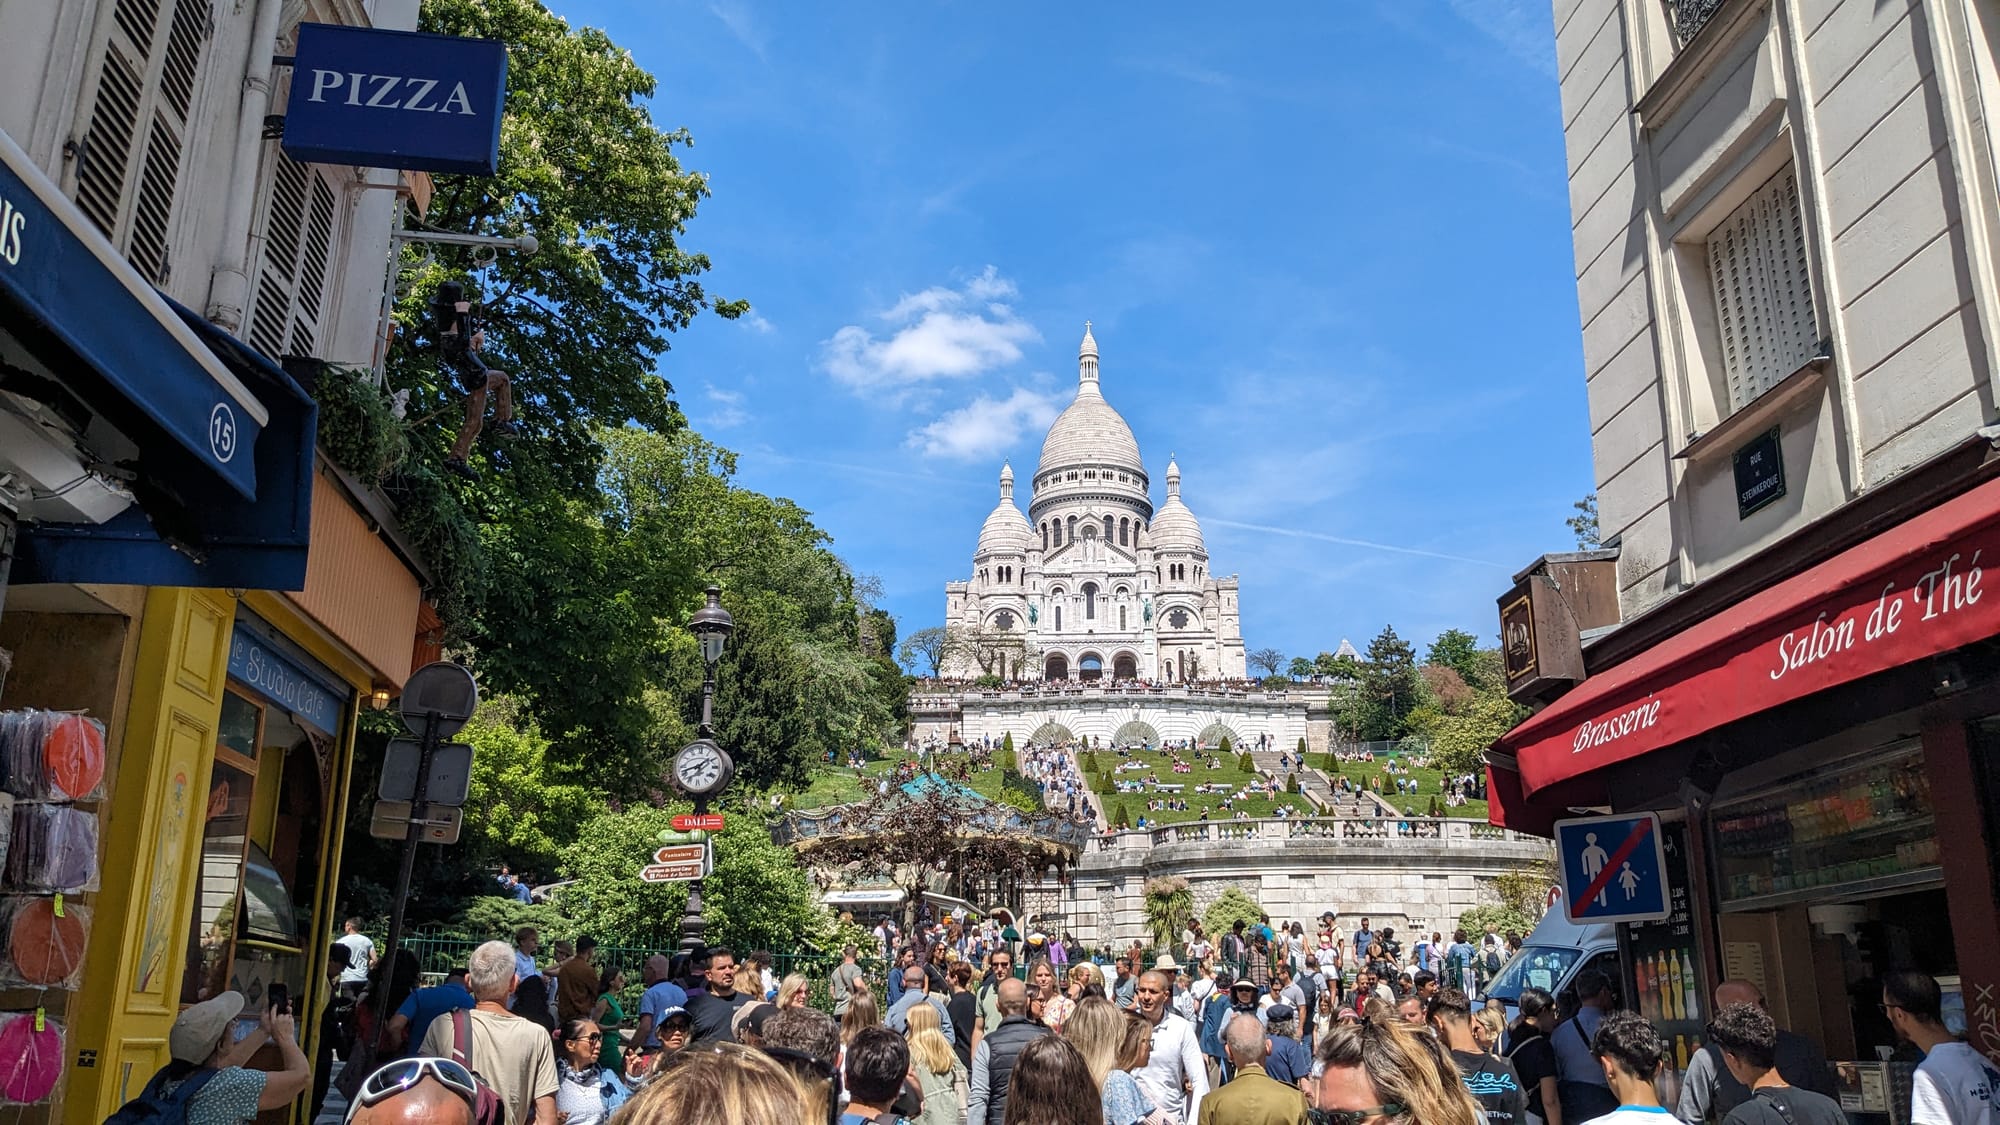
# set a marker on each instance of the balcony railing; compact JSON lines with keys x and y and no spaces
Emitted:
{"x":1690,"y":16}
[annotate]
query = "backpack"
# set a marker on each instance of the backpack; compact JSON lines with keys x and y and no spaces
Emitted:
{"x":1492,"y":958}
{"x":154,"y":1106}
{"x":487,"y":1108}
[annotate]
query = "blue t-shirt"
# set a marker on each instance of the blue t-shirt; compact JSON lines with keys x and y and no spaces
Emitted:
{"x":1289,"y":1060}
{"x":657,"y":999}
{"x":427,"y":1004}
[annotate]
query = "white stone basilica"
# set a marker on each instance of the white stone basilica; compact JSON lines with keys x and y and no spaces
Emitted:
{"x":1093,"y":583}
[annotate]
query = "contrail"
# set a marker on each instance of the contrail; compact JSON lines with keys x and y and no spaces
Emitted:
{"x":1345,"y":542}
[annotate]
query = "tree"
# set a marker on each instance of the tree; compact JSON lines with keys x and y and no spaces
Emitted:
{"x":1387,"y":689}
{"x":1447,"y":689}
{"x":1300,"y":668}
{"x":915,"y":839}
{"x":1583,"y":524}
{"x":1457,"y":741}
{"x":756,"y":898}
{"x":1507,"y":919}
{"x":1455,"y":649}
{"x":1524,"y":888}
{"x":582,"y":322}
{"x":1230,"y":907}
{"x":1169,"y":905}
{"x":926,"y":647}
{"x":1269,"y":659}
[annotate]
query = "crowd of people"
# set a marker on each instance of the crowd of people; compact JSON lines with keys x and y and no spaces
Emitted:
{"x":1267,"y":1024}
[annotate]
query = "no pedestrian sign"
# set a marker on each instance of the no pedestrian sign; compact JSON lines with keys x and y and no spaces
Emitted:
{"x":1613,"y":868}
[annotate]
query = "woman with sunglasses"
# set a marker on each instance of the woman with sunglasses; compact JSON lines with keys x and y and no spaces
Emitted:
{"x":1382,"y":1071}
{"x":588,"y":1091}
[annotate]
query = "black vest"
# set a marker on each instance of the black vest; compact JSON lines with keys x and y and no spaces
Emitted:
{"x":1004,"y":1044}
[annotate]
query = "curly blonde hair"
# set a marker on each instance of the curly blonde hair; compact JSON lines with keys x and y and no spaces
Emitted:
{"x":718,"y":1082}
{"x":1407,"y":1067}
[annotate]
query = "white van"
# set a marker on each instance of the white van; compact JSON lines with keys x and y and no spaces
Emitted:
{"x":1552,"y":957}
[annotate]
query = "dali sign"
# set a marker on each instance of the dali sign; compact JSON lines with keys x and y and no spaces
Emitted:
{"x":396,"y":99}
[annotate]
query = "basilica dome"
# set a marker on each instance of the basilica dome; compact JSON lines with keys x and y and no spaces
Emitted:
{"x":1174,"y":527}
{"x":1089,"y":431}
{"x":1006,"y":531}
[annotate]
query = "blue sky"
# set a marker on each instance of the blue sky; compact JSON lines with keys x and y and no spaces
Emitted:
{"x":1325,"y":247}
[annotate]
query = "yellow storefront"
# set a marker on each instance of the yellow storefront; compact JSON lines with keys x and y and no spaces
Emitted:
{"x":230,"y":722}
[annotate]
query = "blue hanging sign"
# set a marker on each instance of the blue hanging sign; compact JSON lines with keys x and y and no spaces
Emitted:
{"x":396,"y":99}
{"x":280,"y":681}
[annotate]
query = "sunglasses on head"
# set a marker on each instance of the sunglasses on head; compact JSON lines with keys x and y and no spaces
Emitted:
{"x":1352,"y":1116}
{"x":401,"y":1075}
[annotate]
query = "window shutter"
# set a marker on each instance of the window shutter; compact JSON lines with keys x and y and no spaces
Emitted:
{"x":131,"y":164}
{"x":1757,"y":263}
{"x":298,"y":248}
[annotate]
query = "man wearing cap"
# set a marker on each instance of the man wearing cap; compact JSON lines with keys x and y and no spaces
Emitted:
{"x":661,"y":994}
{"x":203,"y":1052}
{"x":514,"y":1055}
{"x":1289,"y":1061}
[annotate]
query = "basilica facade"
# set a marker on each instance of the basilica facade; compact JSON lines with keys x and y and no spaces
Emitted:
{"x":1092,"y":583}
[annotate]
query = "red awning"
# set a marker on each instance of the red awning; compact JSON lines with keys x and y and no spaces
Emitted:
{"x":1911,"y":592}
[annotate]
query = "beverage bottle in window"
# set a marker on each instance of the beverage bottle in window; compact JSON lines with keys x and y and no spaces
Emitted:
{"x":1690,"y":996}
{"x":1644,"y":980}
{"x":1673,"y":1006}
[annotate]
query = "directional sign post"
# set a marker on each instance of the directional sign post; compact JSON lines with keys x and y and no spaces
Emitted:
{"x":1614,"y":868}
{"x":702,"y":822}
{"x":678,"y":863}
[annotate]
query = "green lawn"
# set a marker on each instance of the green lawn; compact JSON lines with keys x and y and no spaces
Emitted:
{"x":1430,"y":783}
{"x":1160,"y":763}
{"x":831,"y":786}
{"x":839,"y":786}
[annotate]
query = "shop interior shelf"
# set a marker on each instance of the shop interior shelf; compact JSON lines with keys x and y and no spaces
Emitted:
{"x":1896,"y":827}
{"x":1873,"y":887}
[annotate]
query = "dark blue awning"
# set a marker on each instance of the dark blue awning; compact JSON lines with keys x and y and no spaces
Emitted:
{"x":214,"y":442}
{"x":117,"y":343}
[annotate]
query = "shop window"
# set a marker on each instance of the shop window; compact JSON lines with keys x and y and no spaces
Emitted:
{"x":129,"y":163}
{"x":262,"y":841}
{"x":1862,"y":829}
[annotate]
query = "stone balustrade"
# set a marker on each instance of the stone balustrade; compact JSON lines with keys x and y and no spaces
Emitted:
{"x":1448,"y":832}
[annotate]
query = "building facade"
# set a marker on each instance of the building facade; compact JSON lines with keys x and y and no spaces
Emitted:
{"x":1092,"y":583}
{"x":1783,"y":219}
{"x":1115,"y":714}
{"x":179,"y":566}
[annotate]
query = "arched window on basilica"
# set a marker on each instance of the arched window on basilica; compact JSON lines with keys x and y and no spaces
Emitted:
{"x":1090,"y":601}
{"x":1107,"y":529}
{"x":1124,"y":526}
{"x":1071,"y":532}
{"x":1058,"y":619}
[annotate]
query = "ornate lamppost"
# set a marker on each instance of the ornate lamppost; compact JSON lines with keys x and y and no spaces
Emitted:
{"x":703,"y":768}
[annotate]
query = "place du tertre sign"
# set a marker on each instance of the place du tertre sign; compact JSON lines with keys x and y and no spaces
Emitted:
{"x":396,"y":99}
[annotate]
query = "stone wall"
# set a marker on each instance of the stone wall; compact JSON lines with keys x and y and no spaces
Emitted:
{"x":1413,"y":875}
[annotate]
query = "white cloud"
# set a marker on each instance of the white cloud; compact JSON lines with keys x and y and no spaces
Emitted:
{"x":724,"y":409}
{"x":985,"y":426}
{"x":1523,"y":28}
{"x":756,"y":323}
{"x":938,"y":333}
{"x":736,"y":16}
